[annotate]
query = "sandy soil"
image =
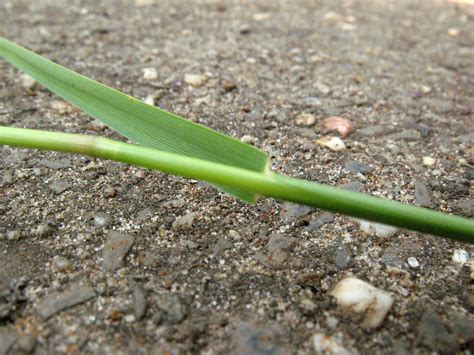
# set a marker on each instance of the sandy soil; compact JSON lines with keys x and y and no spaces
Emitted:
{"x":198,"y":271}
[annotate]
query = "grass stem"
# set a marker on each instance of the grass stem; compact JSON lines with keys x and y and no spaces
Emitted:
{"x":268,"y":184}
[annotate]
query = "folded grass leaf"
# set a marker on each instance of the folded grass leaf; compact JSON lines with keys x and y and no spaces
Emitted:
{"x":144,"y":124}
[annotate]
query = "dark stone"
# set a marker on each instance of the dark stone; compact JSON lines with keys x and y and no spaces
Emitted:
{"x":456,"y":189}
{"x":423,"y":129}
{"x":322,"y":219}
{"x":342,"y":256}
{"x":357,"y":167}
{"x":423,"y":195}
{"x":465,"y":207}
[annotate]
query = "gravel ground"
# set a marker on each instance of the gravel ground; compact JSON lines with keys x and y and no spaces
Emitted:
{"x":100,"y":257}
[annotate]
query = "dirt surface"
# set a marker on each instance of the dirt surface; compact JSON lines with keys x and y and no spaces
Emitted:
{"x":100,"y":257}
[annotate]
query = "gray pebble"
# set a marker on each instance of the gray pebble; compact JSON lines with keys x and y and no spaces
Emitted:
{"x":357,"y":167}
{"x":423,"y":195}
{"x":278,"y":242}
{"x":115,"y":249}
{"x":25,"y":344}
{"x":178,"y":203}
{"x":393,"y":257}
{"x":7,"y":177}
{"x":139,"y":302}
{"x":467,"y":139}
{"x":7,"y":339}
{"x":406,"y":135}
{"x":292,"y":211}
{"x":456,"y":189}
{"x":342,"y":256}
{"x":59,"y":186}
{"x":278,"y":251}
{"x":255,"y":338}
{"x":58,"y":302}
{"x":61,"y":263}
{"x":145,"y":213}
{"x":352,"y":186}
{"x":433,"y":334}
{"x":185,"y":222}
{"x":321,"y":220}
{"x":186,"y":243}
{"x":55,"y":164}
{"x":373,"y":131}
{"x":174,"y":310}
{"x":423,"y":129}
{"x":221,"y":245}
{"x":110,"y":191}
{"x":438,"y":105}
{"x":465,"y":207}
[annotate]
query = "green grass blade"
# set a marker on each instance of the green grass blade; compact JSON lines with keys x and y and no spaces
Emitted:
{"x":142,"y":123}
{"x":268,"y":184}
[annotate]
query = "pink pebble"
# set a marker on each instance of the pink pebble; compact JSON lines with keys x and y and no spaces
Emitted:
{"x":339,"y":124}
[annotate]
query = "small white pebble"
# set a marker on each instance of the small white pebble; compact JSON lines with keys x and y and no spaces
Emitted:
{"x":453,"y":32}
{"x":261,"y":16}
{"x":305,"y":120}
{"x":150,"y":100}
{"x":460,"y":256}
{"x":248,"y":139}
{"x":377,"y":229}
{"x":27,"y":82}
{"x":129,"y":318}
{"x":196,"y":80}
{"x":333,"y":143}
{"x":150,"y":73}
{"x":413,"y":262}
{"x":429,"y":161}
{"x":361,"y":297}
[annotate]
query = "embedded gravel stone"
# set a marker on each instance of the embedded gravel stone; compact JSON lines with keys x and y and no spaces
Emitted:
{"x":59,"y":186}
{"x":56,"y":303}
{"x":357,"y":167}
{"x":115,"y":250}
{"x":423,"y":195}
{"x":185,"y":222}
{"x":321,"y":220}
